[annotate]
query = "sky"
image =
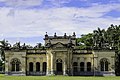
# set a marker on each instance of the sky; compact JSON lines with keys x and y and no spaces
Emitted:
{"x":29,"y":20}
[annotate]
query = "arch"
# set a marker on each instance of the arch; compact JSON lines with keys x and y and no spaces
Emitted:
{"x":88,"y":66}
{"x":75,"y":67}
{"x":59,"y":60}
{"x":104,"y":64}
{"x":75,"y":64}
{"x":37,"y":66}
{"x":59,"y":68}
{"x":15,"y":64}
{"x":31,"y":66}
{"x":44,"y":66}
{"x":82,"y":64}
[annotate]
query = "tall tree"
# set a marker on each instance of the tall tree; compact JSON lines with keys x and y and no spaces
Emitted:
{"x":4,"y":45}
{"x":86,"y":41}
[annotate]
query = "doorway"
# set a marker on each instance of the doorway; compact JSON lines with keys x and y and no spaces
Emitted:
{"x":59,"y":69}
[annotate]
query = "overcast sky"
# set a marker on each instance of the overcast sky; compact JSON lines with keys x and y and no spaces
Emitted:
{"x":28,"y":20}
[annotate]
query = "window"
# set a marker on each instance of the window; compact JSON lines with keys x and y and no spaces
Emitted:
{"x":88,"y":66}
{"x":15,"y":64}
{"x":75,"y":67}
{"x":37,"y":66}
{"x":104,"y":64}
{"x":30,"y":66}
{"x":82,"y":66}
{"x":44,"y":66}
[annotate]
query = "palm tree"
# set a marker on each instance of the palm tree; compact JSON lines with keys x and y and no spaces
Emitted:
{"x":99,"y":37}
{"x":4,"y":45}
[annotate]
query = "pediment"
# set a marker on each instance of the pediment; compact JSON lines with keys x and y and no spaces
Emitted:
{"x":59,"y":45}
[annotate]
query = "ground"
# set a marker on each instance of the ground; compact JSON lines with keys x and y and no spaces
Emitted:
{"x":3,"y":77}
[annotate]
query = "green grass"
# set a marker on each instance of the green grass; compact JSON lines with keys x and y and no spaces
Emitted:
{"x":3,"y":77}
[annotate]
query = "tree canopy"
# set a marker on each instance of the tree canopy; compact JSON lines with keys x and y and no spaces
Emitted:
{"x":101,"y":38}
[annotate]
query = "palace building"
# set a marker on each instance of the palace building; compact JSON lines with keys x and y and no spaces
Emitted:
{"x":60,"y":56}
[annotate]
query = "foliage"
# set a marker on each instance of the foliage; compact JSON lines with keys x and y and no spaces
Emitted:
{"x":1,"y":62}
{"x":85,"y":41}
{"x":101,"y":38}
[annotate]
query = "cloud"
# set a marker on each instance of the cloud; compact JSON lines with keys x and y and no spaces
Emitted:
{"x":32,"y":22}
{"x":21,"y":3}
{"x":33,"y":3}
{"x":58,"y":3}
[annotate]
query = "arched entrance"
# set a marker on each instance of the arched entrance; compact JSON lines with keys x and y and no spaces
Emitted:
{"x":59,"y":69}
{"x":31,"y":66}
{"x":44,"y":67}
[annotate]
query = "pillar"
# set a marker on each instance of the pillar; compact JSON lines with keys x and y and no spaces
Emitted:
{"x":34,"y":65}
{"x":48,"y":65}
{"x":85,"y":64}
{"x":7,"y":66}
{"x":28,"y":64}
{"x":92,"y":67}
{"x":78,"y":61}
{"x":41,"y":66}
{"x":64,"y":68}
{"x":52,"y":58}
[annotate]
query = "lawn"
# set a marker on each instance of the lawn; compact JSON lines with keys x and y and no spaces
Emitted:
{"x":3,"y":77}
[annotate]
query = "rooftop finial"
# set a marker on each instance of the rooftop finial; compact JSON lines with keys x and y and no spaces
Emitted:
{"x":65,"y":35}
{"x":55,"y":35}
{"x":74,"y":34}
{"x":46,"y":35}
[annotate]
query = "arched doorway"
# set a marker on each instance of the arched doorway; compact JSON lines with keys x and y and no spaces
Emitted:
{"x":31,"y":66}
{"x":44,"y":66}
{"x":88,"y":66}
{"x":75,"y":67}
{"x":59,"y":69}
{"x":37,"y":67}
{"x":82,"y":66}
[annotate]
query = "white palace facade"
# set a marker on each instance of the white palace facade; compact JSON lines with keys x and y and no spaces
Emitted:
{"x":59,"y":57}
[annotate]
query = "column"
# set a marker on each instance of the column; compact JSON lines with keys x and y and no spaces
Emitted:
{"x":52,"y":58}
{"x":34,"y":65}
{"x":23,"y":64}
{"x":7,"y":66}
{"x":113,"y":64}
{"x":78,"y":61}
{"x":27,"y":66}
{"x":48,"y":64}
{"x":71,"y":66}
{"x":65,"y":67}
{"x":41,"y":66}
{"x":85,"y":65}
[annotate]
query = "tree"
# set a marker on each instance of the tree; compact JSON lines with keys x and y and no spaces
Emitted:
{"x":38,"y":46}
{"x":1,"y":64}
{"x":99,"y":37}
{"x":4,"y":45}
{"x":86,"y":41}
